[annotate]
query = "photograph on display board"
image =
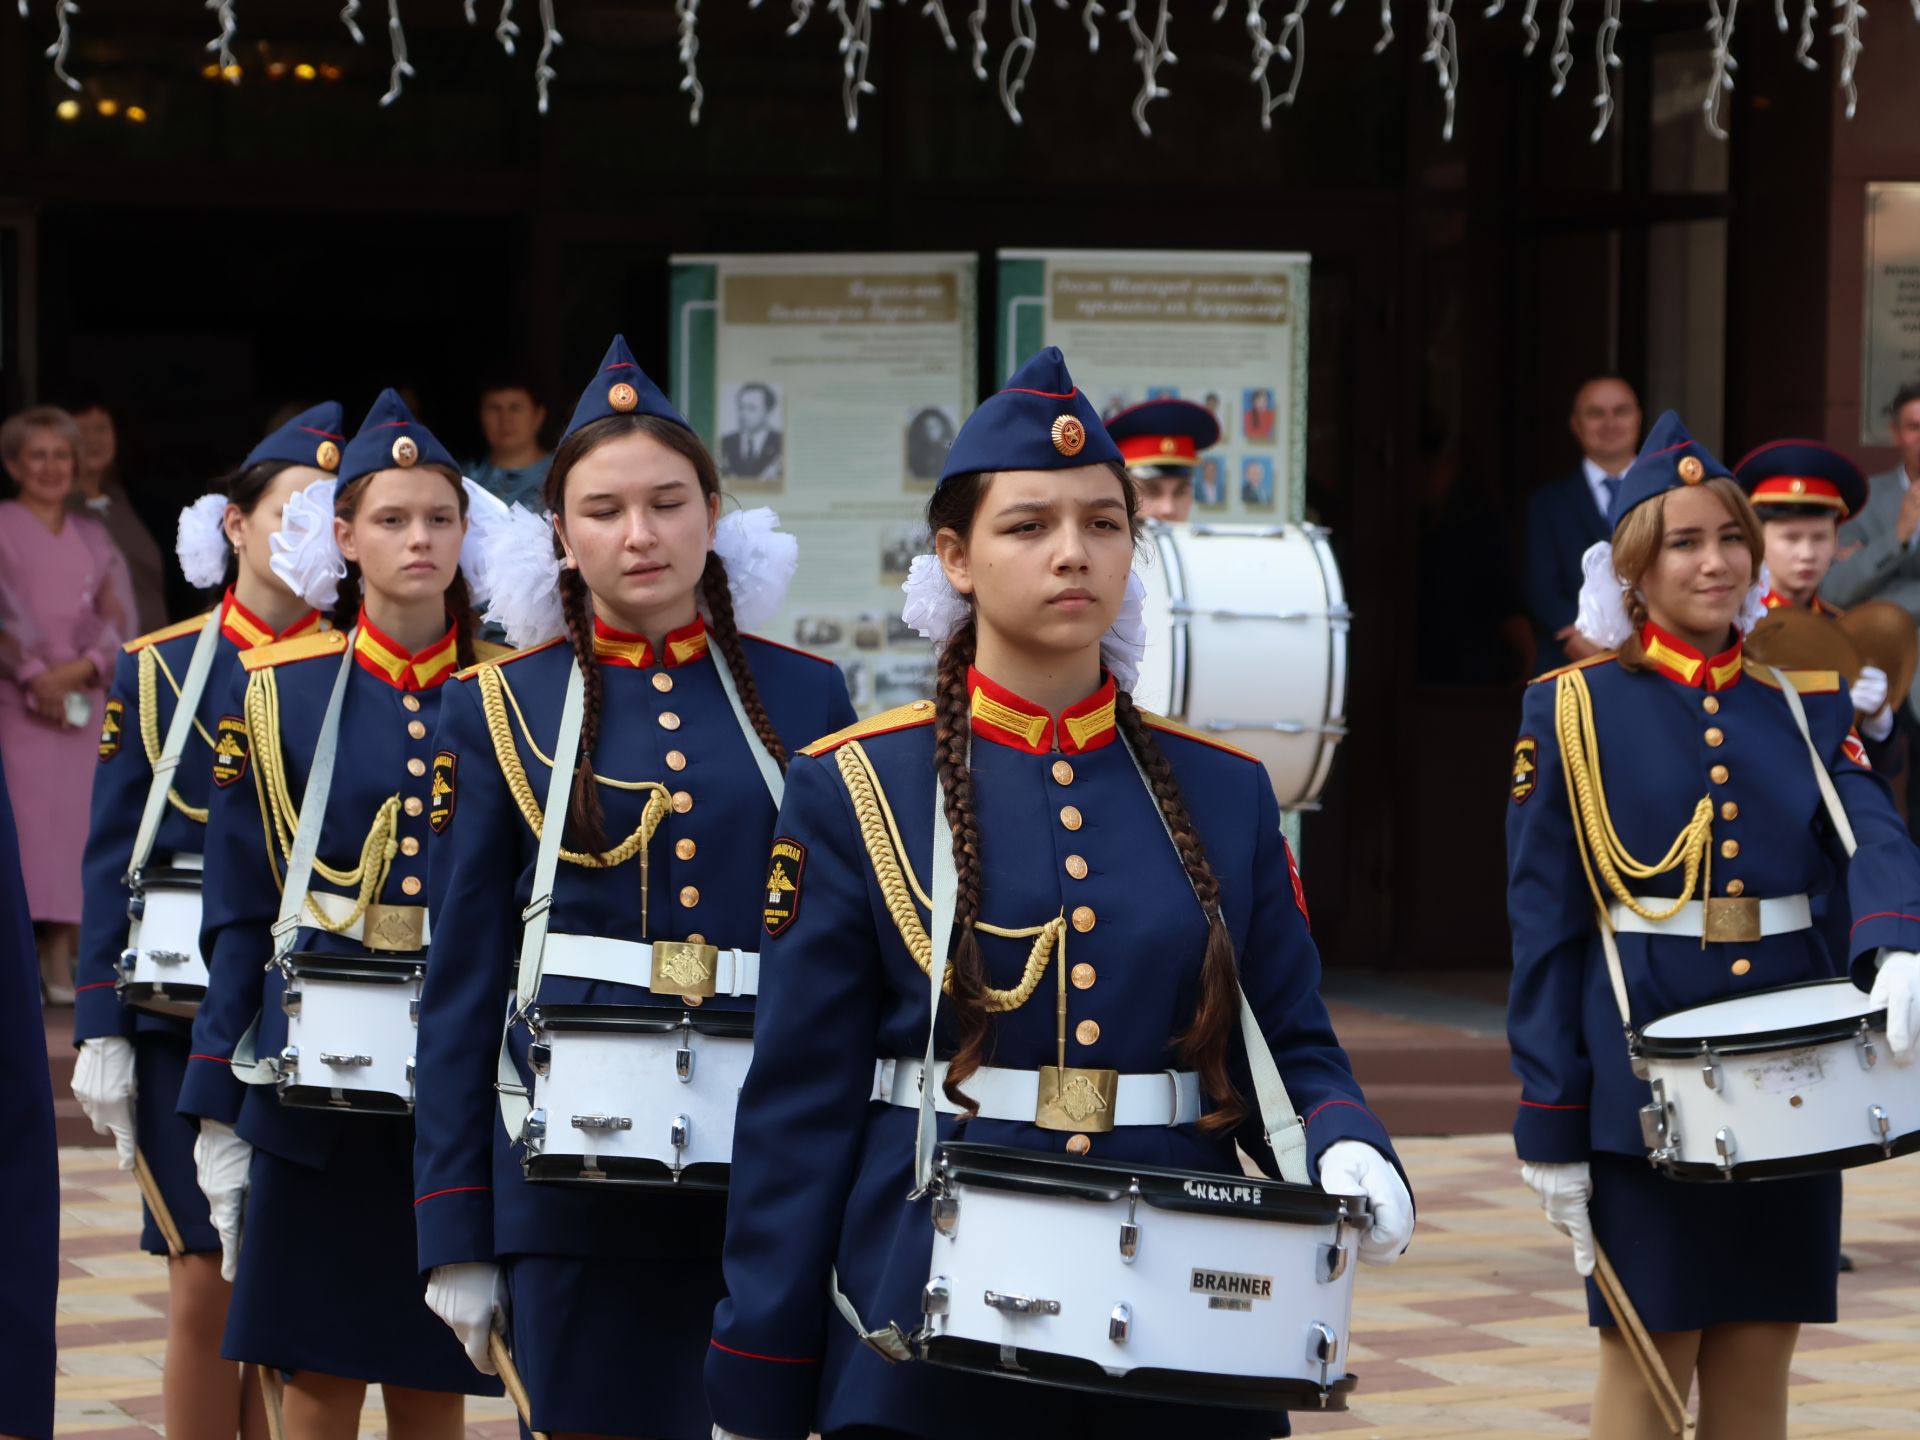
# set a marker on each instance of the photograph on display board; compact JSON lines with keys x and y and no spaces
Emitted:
{"x":1210,"y":483}
{"x":898,"y":545}
{"x":929,"y":435}
{"x":753,"y":452}
{"x":1163,"y":392}
{"x":1256,"y":416}
{"x":1256,"y":482}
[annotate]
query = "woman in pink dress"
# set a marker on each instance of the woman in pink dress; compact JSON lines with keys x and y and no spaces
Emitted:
{"x":66,"y":603}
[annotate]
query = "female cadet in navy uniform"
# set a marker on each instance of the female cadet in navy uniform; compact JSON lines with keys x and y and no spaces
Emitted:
{"x":609,"y":1293}
{"x":131,"y":1061}
{"x":326,"y":1291}
{"x":1065,"y":867}
{"x":1678,"y":732}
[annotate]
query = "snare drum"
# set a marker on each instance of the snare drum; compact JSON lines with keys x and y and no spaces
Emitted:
{"x":635,"y":1094}
{"x":351,"y":1021}
{"x":1141,"y":1280}
{"x":165,"y":974}
{"x":1247,"y":640}
{"x":1793,"y":1081}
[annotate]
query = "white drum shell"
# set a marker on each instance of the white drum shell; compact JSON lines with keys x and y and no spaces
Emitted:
{"x":351,"y":1021}
{"x":633,"y":1079}
{"x":168,"y":975}
{"x":1794,"y":1109}
{"x":1068,"y":1249}
{"x":1247,"y":640}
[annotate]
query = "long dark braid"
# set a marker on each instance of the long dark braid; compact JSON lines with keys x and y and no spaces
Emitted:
{"x":719,"y":599}
{"x":465,"y":622}
{"x":585,"y":818}
{"x":952,"y":734}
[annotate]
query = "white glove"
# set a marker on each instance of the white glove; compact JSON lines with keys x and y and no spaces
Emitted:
{"x":1353,"y":1166}
{"x":1870,"y":690}
{"x":1564,"y":1192}
{"x":468,"y":1297}
{"x":103,"y":1084}
{"x":1897,"y":987}
{"x":222,"y":1160}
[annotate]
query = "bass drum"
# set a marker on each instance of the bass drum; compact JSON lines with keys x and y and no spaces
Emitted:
{"x":1247,"y":640}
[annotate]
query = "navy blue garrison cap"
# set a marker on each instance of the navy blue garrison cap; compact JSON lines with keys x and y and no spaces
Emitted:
{"x":391,"y":439}
{"x":1041,"y":421}
{"x":1669,"y":459}
{"x":621,"y":387}
{"x":313,"y":437}
{"x":1803,"y":476}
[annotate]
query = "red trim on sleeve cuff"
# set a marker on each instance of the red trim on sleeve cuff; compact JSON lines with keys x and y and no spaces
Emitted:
{"x":450,"y":1190}
{"x":770,"y":1359}
{"x":1328,"y":1104}
{"x":1541,"y":1105}
{"x":1883,"y":915}
{"x":216,"y":1059}
{"x":95,"y":985}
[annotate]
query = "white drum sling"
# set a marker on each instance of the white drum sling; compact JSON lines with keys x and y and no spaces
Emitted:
{"x":1247,"y":639}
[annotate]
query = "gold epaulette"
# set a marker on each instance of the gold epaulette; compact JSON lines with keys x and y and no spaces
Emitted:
{"x":1807,"y":682}
{"x":167,"y":632}
{"x":491,"y":654}
{"x":917,"y":712}
{"x":1174,"y":727}
{"x":1557,"y":672}
{"x":300,"y":647}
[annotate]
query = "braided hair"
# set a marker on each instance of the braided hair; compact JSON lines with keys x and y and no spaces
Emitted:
{"x":1206,"y":1042}
{"x":585,"y":817}
{"x":346,"y":606}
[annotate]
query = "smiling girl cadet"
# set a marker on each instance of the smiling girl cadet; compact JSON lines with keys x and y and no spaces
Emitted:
{"x":641,"y":885}
{"x":1118,"y":884}
{"x":149,"y":824}
{"x":1678,"y":744}
{"x":316,"y":862}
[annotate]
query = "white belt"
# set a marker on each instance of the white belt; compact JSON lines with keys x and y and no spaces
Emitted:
{"x":628,"y":962}
{"x":187,"y":862}
{"x":338,"y":907}
{"x":1166,"y":1097}
{"x":1780,"y":916}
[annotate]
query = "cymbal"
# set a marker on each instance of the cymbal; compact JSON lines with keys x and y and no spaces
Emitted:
{"x":1884,"y":634}
{"x":1797,"y":639}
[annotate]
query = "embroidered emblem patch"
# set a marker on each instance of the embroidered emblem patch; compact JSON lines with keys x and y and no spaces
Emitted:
{"x":1855,"y":751}
{"x":110,"y":729}
{"x":1299,"y":890}
{"x":1526,"y":760}
{"x":440,"y":803}
{"x":229,"y":750}
{"x":783,"y":883}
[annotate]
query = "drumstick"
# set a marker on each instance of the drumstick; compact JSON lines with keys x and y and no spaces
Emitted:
{"x":510,"y":1377}
{"x":1653,"y":1369}
{"x":157,"y":1206}
{"x":270,"y":1398}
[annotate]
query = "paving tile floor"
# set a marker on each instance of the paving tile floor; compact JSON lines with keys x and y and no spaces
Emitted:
{"x":1479,"y":1331}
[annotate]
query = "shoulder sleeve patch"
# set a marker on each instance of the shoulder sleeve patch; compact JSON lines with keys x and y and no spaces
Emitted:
{"x":111,"y":727}
{"x":1526,"y":762}
{"x":440,"y":806}
{"x":1299,"y":890}
{"x":784,"y":873}
{"x":1855,"y":751}
{"x":1174,"y":727}
{"x":229,"y":750}
{"x":300,"y":647}
{"x":918,"y":712}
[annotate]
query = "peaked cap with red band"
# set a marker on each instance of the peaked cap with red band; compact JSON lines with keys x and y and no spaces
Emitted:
{"x":391,"y":439}
{"x":313,"y":437}
{"x":1670,"y":459}
{"x":621,"y":387}
{"x":1802,"y":476}
{"x":1041,"y":421}
{"x":1164,"y":432}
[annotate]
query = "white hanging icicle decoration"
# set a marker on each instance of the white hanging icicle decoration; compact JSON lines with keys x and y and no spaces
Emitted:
{"x":689,"y":13}
{"x":1532,"y":28}
{"x":1804,"y":52}
{"x":1560,"y":62}
{"x":1494,"y":9}
{"x":1443,"y":53}
{"x":1019,"y":53}
{"x":397,"y":40}
{"x":543,"y":71}
{"x":977,"y":27}
{"x":1150,"y":52}
{"x":936,"y":11}
{"x":1606,"y":61}
{"x":802,"y":12}
{"x":856,"y":45}
{"x":350,"y":17}
{"x":1720,"y":26}
{"x":1291,"y":47}
{"x":64,"y":11}
{"x":1091,"y":12}
{"x":1386,"y":28}
{"x":507,"y":28}
{"x":221,"y":45}
{"x":1848,"y":29}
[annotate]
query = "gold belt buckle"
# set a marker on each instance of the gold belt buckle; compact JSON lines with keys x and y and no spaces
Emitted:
{"x":683,"y":968}
{"x":395,"y":927}
{"x":1733,"y":920}
{"x":1074,"y":1098}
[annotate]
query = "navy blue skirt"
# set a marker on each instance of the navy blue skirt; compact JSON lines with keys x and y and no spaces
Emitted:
{"x":328,"y":1279}
{"x":1692,"y":1254}
{"x":614,"y":1346}
{"x":166,"y":1140}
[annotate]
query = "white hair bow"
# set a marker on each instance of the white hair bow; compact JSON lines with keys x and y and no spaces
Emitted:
{"x":200,"y":541}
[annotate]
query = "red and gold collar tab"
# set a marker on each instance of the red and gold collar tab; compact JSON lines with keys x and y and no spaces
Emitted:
{"x":617,"y":647}
{"x":1806,"y":490}
{"x":1677,"y":660}
{"x":246,"y":629}
{"x":1774,"y":600}
{"x":1003,"y":717}
{"x":379,"y":655}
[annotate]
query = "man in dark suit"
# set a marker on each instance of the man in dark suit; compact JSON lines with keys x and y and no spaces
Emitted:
{"x":1568,"y":515}
{"x":753,"y":451}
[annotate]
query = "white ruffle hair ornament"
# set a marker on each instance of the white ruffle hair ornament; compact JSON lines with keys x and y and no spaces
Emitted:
{"x":523,"y":573}
{"x":936,"y":610}
{"x":200,"y":541}
{"x":1603,"y":619}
